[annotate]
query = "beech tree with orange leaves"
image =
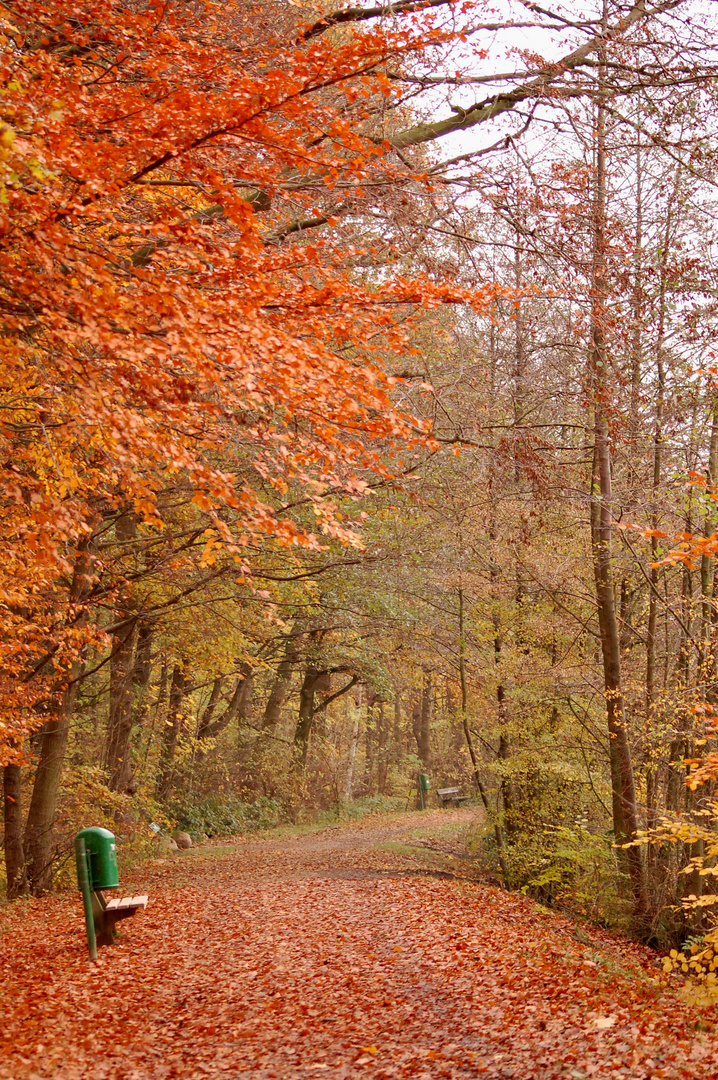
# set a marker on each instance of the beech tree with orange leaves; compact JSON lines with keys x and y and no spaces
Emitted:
{"x":208,"y":335}
{"x":149,"y":319}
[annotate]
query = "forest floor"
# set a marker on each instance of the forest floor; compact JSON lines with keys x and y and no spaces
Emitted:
{"x":360,"y":950}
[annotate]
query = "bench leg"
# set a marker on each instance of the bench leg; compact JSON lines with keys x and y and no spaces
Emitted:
{"x":104,"y":925}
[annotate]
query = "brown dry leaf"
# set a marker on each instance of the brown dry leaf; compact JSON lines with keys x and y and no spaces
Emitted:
{"x":602,"y":1023}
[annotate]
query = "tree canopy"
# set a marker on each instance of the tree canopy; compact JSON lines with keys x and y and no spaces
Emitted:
{"x":359,"y":420}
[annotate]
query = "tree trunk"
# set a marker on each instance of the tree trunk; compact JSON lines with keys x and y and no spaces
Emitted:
{"x":12,"y":816}
{"x":423,"y":729}
{"x":651,"y":631}
{"x":465,"y":704}
{"x":171,"y":733}
{"x":38,"y":841}
{"x":282,"y":684}
{"x":314,"y":679}
{"x":353,"y":744}
{"x":156,"y":709}
{"x":709,"y":526}
{"x":625,"y":808}
{"x":130,"y":711}
{"x":397,"y":735}
{"x":416,"y":719}
{"x":119,"y":724}
{"x":206,"y":718}
{"x":238,"y":705}
{"x":244,"y":705}
{"x":369,"y":742}
{"x":498,"y":832}
{"x":382,"y":740}
{"x":652,"y":778}
{"x":116,"y":756}
{"x":504,"y":738}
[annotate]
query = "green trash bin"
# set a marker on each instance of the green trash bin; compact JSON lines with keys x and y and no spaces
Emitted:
{"x":96,"y":856}
{"x":424,"y":786}
{"x":96,"y":859}
{"x":101,"y":858}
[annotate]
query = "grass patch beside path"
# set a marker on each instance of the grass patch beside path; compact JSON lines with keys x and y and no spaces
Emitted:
{"x":422,"y":857}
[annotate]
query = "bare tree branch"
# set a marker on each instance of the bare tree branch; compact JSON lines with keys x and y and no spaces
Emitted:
{"x":508,"y":100}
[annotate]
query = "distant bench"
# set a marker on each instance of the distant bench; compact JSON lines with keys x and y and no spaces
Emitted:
{"x":450,"y":796}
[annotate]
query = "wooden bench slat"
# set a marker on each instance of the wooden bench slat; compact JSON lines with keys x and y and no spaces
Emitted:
{"x":127,"y":902}
{"x":450,"y":796}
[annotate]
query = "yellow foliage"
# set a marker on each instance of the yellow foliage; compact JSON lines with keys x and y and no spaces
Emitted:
{"x":699,"y":964}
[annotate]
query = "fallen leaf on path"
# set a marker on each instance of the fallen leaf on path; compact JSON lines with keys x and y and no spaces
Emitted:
{"x":604,"y":1022}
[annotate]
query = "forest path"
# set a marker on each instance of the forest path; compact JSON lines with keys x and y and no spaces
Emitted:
{"x":340,"y":954}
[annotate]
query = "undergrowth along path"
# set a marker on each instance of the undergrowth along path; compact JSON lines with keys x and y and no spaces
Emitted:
{"x":344,"y":953}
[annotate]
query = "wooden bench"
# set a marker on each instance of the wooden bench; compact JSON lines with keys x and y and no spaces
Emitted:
{"x":109,"y":912}
{"x":450,"y":796}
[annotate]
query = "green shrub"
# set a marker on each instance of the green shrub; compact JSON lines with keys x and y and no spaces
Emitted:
{"x":577,"y":870}
{"x":217,"y":816}
{"x":566,"y":867}
{"x":372,"y":804}
{"x":86,"y":800}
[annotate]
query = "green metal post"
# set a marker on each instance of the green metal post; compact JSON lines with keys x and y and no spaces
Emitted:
{"x":84,"y":883}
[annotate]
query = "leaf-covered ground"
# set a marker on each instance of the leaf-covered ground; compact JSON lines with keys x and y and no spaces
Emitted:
{"x":334,"y":955}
